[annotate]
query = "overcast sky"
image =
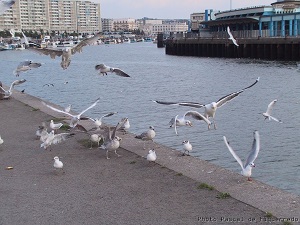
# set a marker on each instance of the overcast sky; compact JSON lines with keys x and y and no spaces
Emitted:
{"x":168,"y":9}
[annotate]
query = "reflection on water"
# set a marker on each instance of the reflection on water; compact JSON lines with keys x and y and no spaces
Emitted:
{"x":156,"y":76}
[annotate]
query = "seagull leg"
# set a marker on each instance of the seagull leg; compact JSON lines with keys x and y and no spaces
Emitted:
{"x":249,"y":179}
{"x":92,"y":144}
{"x":107,"y":155}
{"x":144,"y":145}
{"x":117,"y":153}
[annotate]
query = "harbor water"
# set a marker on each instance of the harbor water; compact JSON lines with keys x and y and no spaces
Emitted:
{"x":157,"y":76}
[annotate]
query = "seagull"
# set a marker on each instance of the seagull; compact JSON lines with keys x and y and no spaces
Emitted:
{"x":57,"y":163}
{"x":267,"y":114}
{"x":231,"y":37}
{"x":55,"y":126}
{"x":1,"y":141}
{"x":126,"y":125}
{"x":55,"y":139}
{"x":249,"y":164}
{"x":187,"y":147}
{"x":5,"y":5}
{"x":74,"y":118}
{"x":65,"y":53}
{"x":48,"y":85}
{"x":182,"y":121}
{"x":111,"y":141}
{"x":103,"y":69}
{"x":41,"y":130}
{"x":151,"y":157}
{"x":95,"y":138}
{"x":8,"y":93}
{"x":210,"y":109}
{"x":147,"y":135}
{"x":25,"y":66}
{"x":98,"y":122}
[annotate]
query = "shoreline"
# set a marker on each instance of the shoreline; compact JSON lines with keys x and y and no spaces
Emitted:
{"x":279,"y":203}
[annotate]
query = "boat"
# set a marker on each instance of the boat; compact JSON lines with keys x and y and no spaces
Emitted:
{"x":65,"y":44}
{"x":5,"y":46}
{"x":147,"y":39}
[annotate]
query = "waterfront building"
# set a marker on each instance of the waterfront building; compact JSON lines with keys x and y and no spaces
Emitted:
{"x":107,"y":25}
{"x":53,"y":15}
{"x":125,"y":24}
{"x":280,"y":19}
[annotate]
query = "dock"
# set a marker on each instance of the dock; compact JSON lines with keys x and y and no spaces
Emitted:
{"x":279,"y":48}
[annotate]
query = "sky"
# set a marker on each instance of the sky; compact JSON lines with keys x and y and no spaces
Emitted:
{"x":168,"y":9}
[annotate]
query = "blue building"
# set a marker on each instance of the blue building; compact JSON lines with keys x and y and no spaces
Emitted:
{"x":280,"y":19}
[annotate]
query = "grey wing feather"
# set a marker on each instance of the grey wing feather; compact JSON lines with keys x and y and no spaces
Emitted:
{"x":255,"y":149}
{"x":57,"y":110}
{"x":229,"y":97}
{"x":191,"y":104}
{"x":93,"y":105}
{"x":16,"y":82}
{"x":237,"y":158}
{"x":120,"y":72}
{"x":196,"y":115}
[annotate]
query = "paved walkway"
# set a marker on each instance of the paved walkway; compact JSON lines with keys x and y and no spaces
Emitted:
{"x":124,"y":190}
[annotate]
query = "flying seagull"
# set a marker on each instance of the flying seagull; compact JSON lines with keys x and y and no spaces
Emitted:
{"x":98,"y":121}
{"x":74,"y":118}
{"x":8,"y":93}
{"x":110,"y":140}
{"x":210,"y":109}
{"x":267,"y":114}
{"x":182,"y":121}
{"x":231,"y":37}
{"x":52,"y":138}
{"x":25,"y":66}
{"x":103,"y":69}
{"x":64,"y":53}
{"x":5,"y":5}
{"x":187,"y":147}
{"x":249,"y":164}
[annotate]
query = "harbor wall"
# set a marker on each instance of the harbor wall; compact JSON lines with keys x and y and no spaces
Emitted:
{"x":283,"y":49}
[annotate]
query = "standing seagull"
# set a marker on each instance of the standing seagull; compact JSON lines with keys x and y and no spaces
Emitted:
{"x":182,"y":121}
{"x":126,"y":125}
{"x":231,"y":37}
{"x":267,"y":114}
{"x":55,"y":126}
{"x":111,"y":141}
{"x":211,"y":108}
{"x":24,"y":66}
{"x":247,"y":167}
{"x":147,"y":135}
{"x":151,"y":157}
{"x":8,"y":93}
{"x":5,"y":5}
{"x":103,"y":69}
{"x":57,"y":163}
{"x":1,"y":141}
{"x":74,"y":118}
{"x":187,"y":147}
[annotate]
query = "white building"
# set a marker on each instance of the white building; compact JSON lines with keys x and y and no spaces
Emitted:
{"x":53,"y":15}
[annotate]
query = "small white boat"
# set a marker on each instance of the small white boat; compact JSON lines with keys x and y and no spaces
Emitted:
{"x":65,"y":44}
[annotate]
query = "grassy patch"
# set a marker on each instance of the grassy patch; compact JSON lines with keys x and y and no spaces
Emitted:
{"x":179,"y":174}
{"x":268,"y":215}
{"x":87,"y":144}
{"x":223,"y":195}
{"x":65,"y":127}
{"x":205,"y":186}
{"x":34,"y":109}
{"x":287,"y":223}
{"x":132,"y":162}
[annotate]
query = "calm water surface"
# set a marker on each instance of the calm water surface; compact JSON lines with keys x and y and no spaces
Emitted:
{"x":155,"y":75}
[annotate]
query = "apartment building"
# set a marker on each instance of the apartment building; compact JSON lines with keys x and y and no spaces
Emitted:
{"x":53,"y":15}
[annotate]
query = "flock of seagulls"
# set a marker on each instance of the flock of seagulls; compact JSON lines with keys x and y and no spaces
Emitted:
{"x":107,"y":134}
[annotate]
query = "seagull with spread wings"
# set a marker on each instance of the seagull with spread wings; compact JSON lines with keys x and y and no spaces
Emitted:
{"x":25,"y":66}
{"x":231,"y":37}
{"x":249,"y":164}
{"x":103,"y":69}
{"x":267,"y":114}
{"x":211,"y":108}
{"x":74,"y":118}
{"x":65,"y":53}
{"x":8,"y":93}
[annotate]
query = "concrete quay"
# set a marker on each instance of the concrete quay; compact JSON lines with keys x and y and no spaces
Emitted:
{"x":122,"y":190}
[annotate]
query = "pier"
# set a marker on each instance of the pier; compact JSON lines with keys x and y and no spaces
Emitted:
{"x":283,"y":49}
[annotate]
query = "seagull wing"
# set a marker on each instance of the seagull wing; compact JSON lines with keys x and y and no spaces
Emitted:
{"x":229,"y":97}
{"x":108,"y":114}
{"x":85,"y":42}
{"x":120,"y":72}
{"x":229,"y":33}
{"x":57,"y":110}
{"x":233,"y":152}
{"x":5,"y":5}
{"x":275,"y":119}
{"x":255,"y":149}
{"x":175,"y":124}
{"x":191,"y":104}
{"x":198,"y":116}
{"x":50,"y":52}
{"x":91,"y":106}
{"x":25,"y":39}
{"x":16,"y":82}
{"x":270,"y":107}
